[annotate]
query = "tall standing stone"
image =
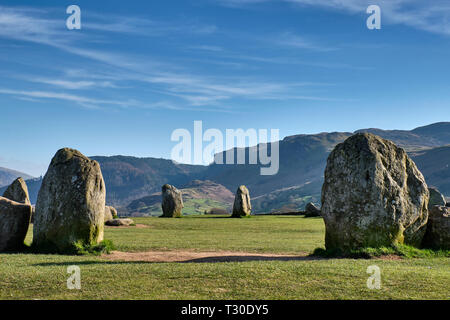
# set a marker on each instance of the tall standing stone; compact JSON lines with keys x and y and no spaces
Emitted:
{"x":172,"y":202}
{"x":18,"y":192}
{"x":110,"y":213}
{"x":71,"y":204}
{"x":373,"y":195}
{"x":438,"y":229}
{"x":14,"y":221}
{"x":242,"y":206}
{"x":436,"y":198}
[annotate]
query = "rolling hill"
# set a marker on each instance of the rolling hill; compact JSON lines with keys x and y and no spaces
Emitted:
{"x":299,"y":180}
{"x":198,"y":197}
{"x":7,"y":176}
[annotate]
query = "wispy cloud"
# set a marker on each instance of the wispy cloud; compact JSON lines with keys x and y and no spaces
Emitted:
{"x":431,"y":16}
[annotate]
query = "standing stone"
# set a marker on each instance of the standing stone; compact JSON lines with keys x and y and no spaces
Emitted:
{"x":436,"y":198}
{"x":438,"y":229}
{"x":110,"y":213}
{"x":373,"y":195}
{"x":18,"y":192}
{"x":14,"y":222}
{"x":311,"y":210}
{"x":172,"y":202}
{"x":242,"y":206}
{"x":70,"y":207}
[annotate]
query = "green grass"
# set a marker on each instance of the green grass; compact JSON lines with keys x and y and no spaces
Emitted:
{"x":31,"y":276}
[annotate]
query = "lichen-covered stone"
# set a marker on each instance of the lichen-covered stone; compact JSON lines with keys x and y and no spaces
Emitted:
{"x":311,"y":210}
{"x":119,"y":222}
{"x":172,"y":202}
{"x":110,"y":213}
{"x":436,"y":198}
{"x":242,"y":205}
{"x":14,"y":221}
{"x":438,"y":229}
{"x":70,"y":207}
{"x":18,"y":192}
{"x":373,"y":195}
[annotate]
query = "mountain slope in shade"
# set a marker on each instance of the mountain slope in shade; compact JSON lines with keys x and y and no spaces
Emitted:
{"x":7,"y":176}
{"x":130,"y":178}
{"x":302,"y":159}
{"x":435,"y":166}
{"x":198,"y":197}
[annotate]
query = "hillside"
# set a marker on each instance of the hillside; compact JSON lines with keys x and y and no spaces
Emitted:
{"x":130,"y":178}
{"x":435,"y":166}
{"x":434,"y":135}
{"x":7,"y":176}
{"x":198,"y":197}
{"x":302,"y":163}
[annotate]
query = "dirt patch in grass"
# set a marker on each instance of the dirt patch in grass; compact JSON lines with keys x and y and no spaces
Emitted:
{"x":390,"y":257}
{"x":138,"y":226}
{"x":193,"y":256}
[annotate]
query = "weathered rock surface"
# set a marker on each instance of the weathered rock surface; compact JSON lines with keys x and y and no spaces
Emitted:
{"x":242,"y":206}
{"x":70,"y":207}
{"x":14,"y":221}
{"x":311,"y":210}
{"x":436,"y":198}
{"x":110,"y":213}
{"x":438,"y":229}
{"x":119,"y":222}
{"x":172,"y":201}
{"x":373,"y":195}
{"x":18,"y":192}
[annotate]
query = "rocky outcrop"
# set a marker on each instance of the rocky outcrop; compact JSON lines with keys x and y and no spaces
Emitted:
{"x":436,"y":198}
{"x":438,"y":229}
{"x":242,"y":206}
{"x":119,"y":222}
{"x":373,"y":195}
{"x":110,"y":213}
{"x":18,"y":192}
{"x":172,"y":202}
{"x":311,"y":210}
{"x":14,"y":222}
{"x":71,"y":204}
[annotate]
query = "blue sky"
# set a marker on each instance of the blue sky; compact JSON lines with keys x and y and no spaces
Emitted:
{"x":137,"y":70}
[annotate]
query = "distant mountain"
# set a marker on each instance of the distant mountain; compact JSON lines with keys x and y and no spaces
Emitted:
{"x":198,"y":197}
{"x":434,"y":135}
{"x":302,"y":160}
{"x":130,"y":178}
{"x":7,"y":176}
{"x":435,"y":166}
{"x":299,"y":180}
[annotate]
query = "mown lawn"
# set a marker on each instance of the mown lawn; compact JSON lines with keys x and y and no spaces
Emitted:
{"x":30,"y":276}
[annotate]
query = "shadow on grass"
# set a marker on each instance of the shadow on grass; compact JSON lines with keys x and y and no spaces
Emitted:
{"x":213,"y":259}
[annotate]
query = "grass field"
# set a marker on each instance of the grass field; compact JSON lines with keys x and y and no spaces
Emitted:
{"x":31,"y":276}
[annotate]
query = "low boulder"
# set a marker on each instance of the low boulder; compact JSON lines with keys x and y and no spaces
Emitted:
{"x":18,"y":192}
{"x":373,"y":195}
{"x":14,"y":222}
{"x":172,"y":202}
{"x":311,"y":210}
{"x":438,"y":229}
{"x":242,"y":206}
{"x":436,"y":198}
{"x":119,"y":222}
